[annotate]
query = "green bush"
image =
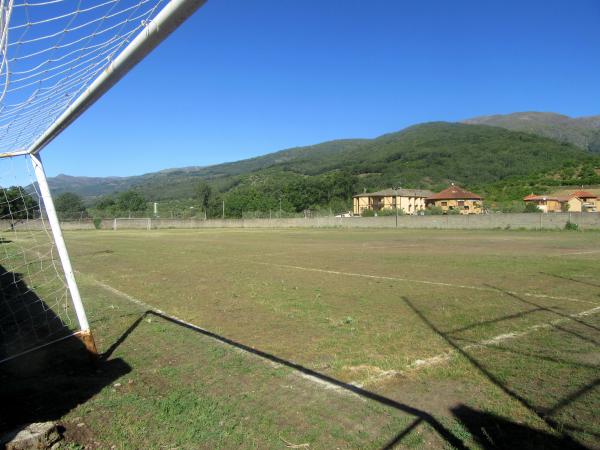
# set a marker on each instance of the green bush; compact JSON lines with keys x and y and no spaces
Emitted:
{"x":389,"y":212}
{"x":570,"y":226}
{"x":367,"y":213}
{"x":531,"y":208}
{"x":434,"y":211}
{"x":97,"y":223}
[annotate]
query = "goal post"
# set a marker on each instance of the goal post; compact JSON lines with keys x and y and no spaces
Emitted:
{"x":132,"y":223}
{"x":56,"y":59}
{"x":85,"y":333}
{"x":40,"y":303}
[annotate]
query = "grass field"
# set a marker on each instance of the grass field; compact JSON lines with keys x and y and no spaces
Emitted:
{"x":337,"y":339}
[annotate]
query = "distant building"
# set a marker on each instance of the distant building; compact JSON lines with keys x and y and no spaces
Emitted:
{"x":545,"y":203}
{"x":583,"y":201}
{"x":410,"y":201}
{"x":455,"y":198}
{"x":578,"y":201}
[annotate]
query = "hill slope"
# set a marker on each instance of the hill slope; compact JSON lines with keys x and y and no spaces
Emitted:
{"x":179,"y":182}
{"x":423,"y":156}
{"x":583,"y":132}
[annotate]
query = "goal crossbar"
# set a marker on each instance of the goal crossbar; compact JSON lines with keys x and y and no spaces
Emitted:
{"x":155,"y":31}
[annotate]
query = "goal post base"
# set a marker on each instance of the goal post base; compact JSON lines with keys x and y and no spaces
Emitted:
{"x":87,"y":339}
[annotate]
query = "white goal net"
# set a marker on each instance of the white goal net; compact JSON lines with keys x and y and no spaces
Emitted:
{"x":57,"y":57}
{"x":35,"y":304}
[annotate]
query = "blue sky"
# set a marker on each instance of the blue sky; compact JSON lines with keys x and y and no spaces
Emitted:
{"x":243,"y":78}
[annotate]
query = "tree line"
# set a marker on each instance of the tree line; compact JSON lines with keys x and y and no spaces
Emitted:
{"x":283,"y":192}
{"x":280,"y":193}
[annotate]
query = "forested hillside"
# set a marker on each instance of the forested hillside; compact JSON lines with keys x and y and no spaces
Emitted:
{"x":500,"y":163}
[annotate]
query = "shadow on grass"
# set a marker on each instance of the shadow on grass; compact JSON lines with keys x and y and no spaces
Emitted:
{"x":44,"y":384}
{"x":543,"y":308}
{"x":489,"y":431}
{"x":420,"y":415}
{"x":561,"y":277}
{"x":492,"y":431}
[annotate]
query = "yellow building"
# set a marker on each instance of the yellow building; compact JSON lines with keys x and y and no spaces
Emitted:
{"x":409,"y":201}
{"x":455,"y":198}
{"x":583,"y":201}
{"x":545,"y":203}
{"x":578,"y":201}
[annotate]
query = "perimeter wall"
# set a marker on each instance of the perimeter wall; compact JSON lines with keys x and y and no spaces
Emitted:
{"x":553,"y":221}
{"x":487,"y":221}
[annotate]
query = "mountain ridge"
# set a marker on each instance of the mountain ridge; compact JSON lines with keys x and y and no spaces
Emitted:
{"x":583,"y":131}
{"x":426,"y":155}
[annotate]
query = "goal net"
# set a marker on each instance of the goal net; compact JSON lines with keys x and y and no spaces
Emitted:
{"x":57,"y":57}
{"x":131,"y":223}
{"x":35,"y":303}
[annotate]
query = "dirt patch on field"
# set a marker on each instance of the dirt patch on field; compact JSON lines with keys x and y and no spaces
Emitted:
{"x":437,"y":397}
{"x":591,"y":358}
{"x":77,"y":432}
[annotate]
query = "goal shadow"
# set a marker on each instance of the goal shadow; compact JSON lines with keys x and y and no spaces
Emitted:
{"x":26,"y":321}
{"x":46,"y":383}
{"x":492,"y":431}
{"x":420,"y":416}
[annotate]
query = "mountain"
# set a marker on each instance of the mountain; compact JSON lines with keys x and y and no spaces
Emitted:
{"x":583,"y":132}
{"x":179,"y":182}
{"x":428,"y":155}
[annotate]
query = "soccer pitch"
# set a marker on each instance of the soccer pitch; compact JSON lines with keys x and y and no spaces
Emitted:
{"x":342,"y":338}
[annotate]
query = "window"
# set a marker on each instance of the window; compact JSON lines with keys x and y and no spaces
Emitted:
{"x":444,"y":203}
{"x":461,"y":203}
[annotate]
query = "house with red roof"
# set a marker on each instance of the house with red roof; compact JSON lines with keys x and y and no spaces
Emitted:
{"x":455,"y":198}
{"x":578,"y":201}
{"x":583,"y":201}
{"x":546,"y":203}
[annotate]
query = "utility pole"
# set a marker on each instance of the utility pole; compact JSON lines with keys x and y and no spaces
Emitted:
{"x":396,"y":189}
{"x":223,"y":209}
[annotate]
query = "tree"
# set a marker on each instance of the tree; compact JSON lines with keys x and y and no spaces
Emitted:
{"x":17,"y":204}
{"x":531,"y":207}
{"x":130,"y":201}
{"x":69,"y":205}
{"x":105,"y":203}
{"x":203,"y":194}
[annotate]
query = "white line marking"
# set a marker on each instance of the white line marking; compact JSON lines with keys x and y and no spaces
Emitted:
{"x":415,"y":365}
{"x":446,"y":356}
{"x":435,"y":283}
{"x":578,"y":253}
{"x":319,"y":381}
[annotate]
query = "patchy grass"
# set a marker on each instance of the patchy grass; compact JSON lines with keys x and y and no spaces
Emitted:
{"x":411,"y":316}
